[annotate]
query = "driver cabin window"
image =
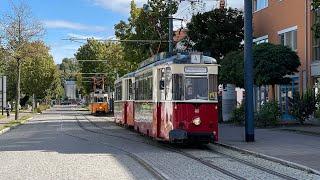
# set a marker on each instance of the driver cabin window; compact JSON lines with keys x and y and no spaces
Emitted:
{"x":196,"y":88}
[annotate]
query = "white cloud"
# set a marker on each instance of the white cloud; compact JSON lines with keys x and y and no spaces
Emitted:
{"x":80,"y":36}
{"x":61,"y":24}
{"x":123,"y":6}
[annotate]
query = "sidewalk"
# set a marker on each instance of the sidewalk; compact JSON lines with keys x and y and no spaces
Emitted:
{"x":307,"y":129}
{"x":7,"y":120}
{"x":290,"y":146}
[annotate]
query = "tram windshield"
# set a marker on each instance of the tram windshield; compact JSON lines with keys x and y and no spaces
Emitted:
{"x":100,"y":99}
{"x":196,"y":88}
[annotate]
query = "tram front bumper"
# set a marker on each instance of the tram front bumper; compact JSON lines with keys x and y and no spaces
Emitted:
{"x":179,"y":135}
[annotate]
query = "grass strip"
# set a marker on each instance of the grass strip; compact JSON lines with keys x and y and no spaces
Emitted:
{"x":14,"y":123}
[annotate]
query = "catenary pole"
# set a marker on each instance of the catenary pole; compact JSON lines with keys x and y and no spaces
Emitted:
{"x":248,"y":67}
{"x":170,"y":30}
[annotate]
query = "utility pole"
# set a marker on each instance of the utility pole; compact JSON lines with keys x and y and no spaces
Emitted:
{"x":18,"y":89}
{"x":248,"y":67}
{"x":2,"y":96}
{"x":170,"y":30}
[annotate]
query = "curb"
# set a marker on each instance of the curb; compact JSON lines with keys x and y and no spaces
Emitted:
{"x":301,"y":132}
{"x":270,"y":158}
{"x":14,"y":126}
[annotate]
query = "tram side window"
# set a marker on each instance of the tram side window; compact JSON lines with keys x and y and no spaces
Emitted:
{"x":129,"y":89}
{"x":144,"y":87}
{"x":213,"y":87}
{"x":168,"y":84}
{"x":162,"y":83}
{"x":118,"y":93}
{"x":177,"y":90}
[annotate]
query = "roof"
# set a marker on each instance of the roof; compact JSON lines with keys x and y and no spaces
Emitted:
{"x":163,"y":58}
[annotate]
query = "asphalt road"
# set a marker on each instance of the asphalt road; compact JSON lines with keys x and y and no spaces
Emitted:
{"x":65,"y":143}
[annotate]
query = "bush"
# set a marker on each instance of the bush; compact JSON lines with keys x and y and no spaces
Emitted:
{"x":268,"y":115}
{"x":304,"y":106}
{"x":238,"y":115}
{"x":317,"y":113}
{"x":42,"y":107}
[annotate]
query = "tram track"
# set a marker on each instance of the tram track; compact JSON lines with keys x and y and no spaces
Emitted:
{"x":199,"y":159}
{"x":158,"y":175}
{"x":253,"y":165}
{"x":168,"y":148}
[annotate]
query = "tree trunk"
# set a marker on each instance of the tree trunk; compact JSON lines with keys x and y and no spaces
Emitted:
{"x":18,"y":89}
{"x":33,"y":103}
{"x":273,"y":93}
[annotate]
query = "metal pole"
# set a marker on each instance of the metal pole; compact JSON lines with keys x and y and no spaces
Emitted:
{"x":2,"y":78}
{"x":170,"y":31}
{"x":249,"y":122}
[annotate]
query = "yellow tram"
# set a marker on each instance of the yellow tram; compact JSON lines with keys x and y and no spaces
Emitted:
{"x":99,"y":103}
{"x":99,"y":100}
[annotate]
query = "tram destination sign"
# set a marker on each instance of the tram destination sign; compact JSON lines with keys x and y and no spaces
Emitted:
{"x":189,"y":69}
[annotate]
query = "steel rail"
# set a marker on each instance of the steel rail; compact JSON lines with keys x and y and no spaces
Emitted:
{"x":269,"y":171}
{"x":254,"y":165}
{"x":139,"y":160}
{"x":175,"y":150}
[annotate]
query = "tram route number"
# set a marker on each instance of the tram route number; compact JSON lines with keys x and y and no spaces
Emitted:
{"x":213,"y":95}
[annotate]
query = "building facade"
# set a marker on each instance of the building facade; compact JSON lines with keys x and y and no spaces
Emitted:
{"x":70,"y":89}
{"x":289,"y":22}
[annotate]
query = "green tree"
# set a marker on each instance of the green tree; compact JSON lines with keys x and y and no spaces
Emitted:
{"x":69,"y":67}
{"x":2,"y":60}
{"x":148,"y":23}
{"x":231,"y":70}
{"x":10,"y":72}
{"x":19,"y":27}
{"x":218,"y":31}
{"x":316,"y":10}
{"x":38,"y":71}
{"x":273,"y":64}
{"x":111,"y":64}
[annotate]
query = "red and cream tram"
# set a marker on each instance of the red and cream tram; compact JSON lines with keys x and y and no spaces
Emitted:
{"x":171,"y":98}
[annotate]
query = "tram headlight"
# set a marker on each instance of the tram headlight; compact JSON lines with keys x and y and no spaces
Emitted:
{"x":196,"y":121}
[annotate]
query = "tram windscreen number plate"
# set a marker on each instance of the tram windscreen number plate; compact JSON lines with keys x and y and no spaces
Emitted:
{"x":196,"y":58}
{"x":195,"y":70}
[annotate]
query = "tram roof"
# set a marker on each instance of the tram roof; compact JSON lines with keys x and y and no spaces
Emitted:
{"x":163,"y":58}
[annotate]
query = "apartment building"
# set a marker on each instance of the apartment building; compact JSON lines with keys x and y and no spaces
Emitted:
{"x":289,"y":22}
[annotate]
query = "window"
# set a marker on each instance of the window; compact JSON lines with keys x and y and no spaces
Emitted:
{"x":118,"y":93}
{"x":262,"y":39}
{"x":259,"y":4}
{"x":196,"y":88}
{"x":213,"y":87}
{"x":144,"y":86}
{"x":316,"y":49}
{"x":177,"y":90}
{"x":129,"y":89}
{"x":289,"y":38}
{"x":168,"y":83}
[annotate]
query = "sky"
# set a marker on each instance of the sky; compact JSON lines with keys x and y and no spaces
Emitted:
{"x":89,"y":18}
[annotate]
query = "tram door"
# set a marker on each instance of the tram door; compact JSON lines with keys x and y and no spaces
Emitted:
{"x":161,"y":96}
